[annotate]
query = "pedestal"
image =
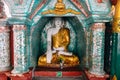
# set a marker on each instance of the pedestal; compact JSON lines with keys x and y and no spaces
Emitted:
{"x":59,"y":74}
{"x":26,"y":76}
{"x":96,"y":77}
{"x":10,"y":76}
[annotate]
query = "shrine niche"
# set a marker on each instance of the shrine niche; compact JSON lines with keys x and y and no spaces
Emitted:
{"x":57,"y":35}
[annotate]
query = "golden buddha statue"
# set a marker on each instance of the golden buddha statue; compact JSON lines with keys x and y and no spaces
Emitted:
{"x":60,"y":9}
{"x":58,"y":39}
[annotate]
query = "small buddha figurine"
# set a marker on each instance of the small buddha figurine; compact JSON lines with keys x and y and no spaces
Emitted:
{"x":60,"y":9}
{"x":58,"y":39}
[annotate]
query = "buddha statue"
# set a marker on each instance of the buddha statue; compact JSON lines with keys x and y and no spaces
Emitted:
{"x":58,"y":39}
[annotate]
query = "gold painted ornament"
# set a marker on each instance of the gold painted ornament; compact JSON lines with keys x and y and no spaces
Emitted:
{"x":60,"y":9}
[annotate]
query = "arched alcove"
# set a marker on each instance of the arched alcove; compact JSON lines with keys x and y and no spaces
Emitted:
{"x":77,"y":41}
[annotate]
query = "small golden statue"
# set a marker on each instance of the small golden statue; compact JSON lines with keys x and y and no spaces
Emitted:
{"x":58,"y":39}
{"x":116,"y":19}
{"x":60,"y":9}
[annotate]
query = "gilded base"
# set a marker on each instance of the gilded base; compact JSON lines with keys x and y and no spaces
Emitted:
{"x":59,"y":61}
{"x":57,"y":65}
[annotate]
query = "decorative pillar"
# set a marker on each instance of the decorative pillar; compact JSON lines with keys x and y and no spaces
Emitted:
{"x":4,"y":48}
{"x":97,"y":53}
{"x":4,"y":41}
{"x":20,"y":49}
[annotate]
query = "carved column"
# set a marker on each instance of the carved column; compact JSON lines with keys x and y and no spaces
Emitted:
{"x":20,"y":49}
{"x":4,"y":41}
{"x":97,"y":53}
{"x":4,"y":48}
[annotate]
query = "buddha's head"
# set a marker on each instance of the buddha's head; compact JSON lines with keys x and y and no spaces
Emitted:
{"x":58,"y":22}
{"x":60,"y":6}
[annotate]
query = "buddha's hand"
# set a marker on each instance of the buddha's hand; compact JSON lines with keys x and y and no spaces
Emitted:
{"x":65,"y":53}
{"x":59,"y":48}
{"x":54,"y":51}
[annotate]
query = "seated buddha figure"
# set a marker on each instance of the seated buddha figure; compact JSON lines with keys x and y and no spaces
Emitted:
{"x":58,"y":39}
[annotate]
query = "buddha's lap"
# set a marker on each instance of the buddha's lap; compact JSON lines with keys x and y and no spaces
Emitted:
{"x":56,"y":59}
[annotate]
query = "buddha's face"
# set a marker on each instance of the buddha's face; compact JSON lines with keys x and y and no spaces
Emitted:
{"x":58,"y":22}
